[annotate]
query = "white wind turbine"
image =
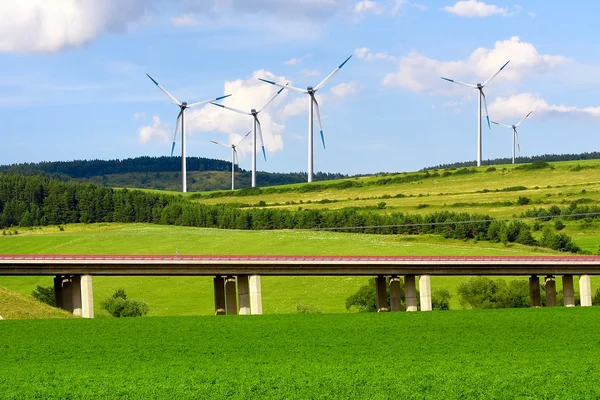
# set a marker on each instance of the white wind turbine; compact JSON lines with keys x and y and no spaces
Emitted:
{"x":233,"y":156}
{"x":313,"y":108}
{"x":515,"y":134}
{"x":254,"y":113}
{"x":480,"y":87}
{"x":181,"y":121}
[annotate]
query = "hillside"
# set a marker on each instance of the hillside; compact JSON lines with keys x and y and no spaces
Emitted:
{"x":17,"y":306}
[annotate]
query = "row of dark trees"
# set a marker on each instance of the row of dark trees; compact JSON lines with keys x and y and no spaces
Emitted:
{"x":522,"y":160}
{"x":38,"y":200}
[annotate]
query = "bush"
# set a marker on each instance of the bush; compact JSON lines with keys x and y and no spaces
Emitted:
{"x":440,"y":299}
{"x":304,"y":308}
{"x":522,"y":200}
{"x":560,"y":241}
{"x":559,"y":225}
{"x":484,"y":293}
{"x":44,"y":294}
{"x":118,"y":305}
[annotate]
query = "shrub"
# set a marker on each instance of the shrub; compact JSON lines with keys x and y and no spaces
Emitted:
{"x":522,"y":200}
{"x":440,"y":299}
{"x":44,"y":294}
{"x":381,"y":205}
{"x":484,"y":293}
{"x":559,"y":225}
{"x":560,"y":241}
{"x":490,"y":169}
{"x":304,"y":308}
{"x":118,"y":305}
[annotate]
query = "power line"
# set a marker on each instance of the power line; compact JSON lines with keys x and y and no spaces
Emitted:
{"x":546,"y":217}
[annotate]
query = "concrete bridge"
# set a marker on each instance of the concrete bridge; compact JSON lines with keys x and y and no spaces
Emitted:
{"x":237,"y":286}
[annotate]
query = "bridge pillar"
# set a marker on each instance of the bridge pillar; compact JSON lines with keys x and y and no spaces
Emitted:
{"x":381,"y":293}
{"x":395,"y":301}
{"x":73,"y":293}
{"x":410,"y":290}
{"x":550,"y":291}
{"x":534,"y":291}
{"x":219,"y":285}
{"x":230,"y":296}
{"x":255,"y":295}
{"x":243,"y":294}
{"x":585,"y":290}
{"x":425,"y":291}
{"x":568,"y":292}
{"x":58,"y":291}
{"x":87,"y":296}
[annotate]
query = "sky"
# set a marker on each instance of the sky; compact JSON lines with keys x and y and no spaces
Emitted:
{"x":73,"y":81}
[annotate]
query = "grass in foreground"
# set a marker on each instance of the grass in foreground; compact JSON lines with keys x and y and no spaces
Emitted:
{"x":531,"y":353}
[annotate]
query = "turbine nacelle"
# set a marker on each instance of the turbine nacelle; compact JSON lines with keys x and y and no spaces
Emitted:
{"x":310,"y":90}
{"x":254,"y":112}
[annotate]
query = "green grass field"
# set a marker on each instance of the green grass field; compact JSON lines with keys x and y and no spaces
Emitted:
{"x":193,"y":295}
{"x":527,"y":353}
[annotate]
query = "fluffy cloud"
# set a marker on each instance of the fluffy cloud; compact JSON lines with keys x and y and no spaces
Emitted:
{"x":155,"y":131}
{"x":474,"y":8}
{"x":419,"y":73}
{"x":364,"y":53}
{"x":345,"y":89}
{"x":512,"y":109}
{"x":390,"y":7}
{"x":184,"y":20}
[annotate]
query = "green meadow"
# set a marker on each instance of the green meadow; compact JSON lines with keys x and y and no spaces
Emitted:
{"x":525,"y":353}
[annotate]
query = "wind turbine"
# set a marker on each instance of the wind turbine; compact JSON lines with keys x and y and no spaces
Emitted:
{"x":480,"y":87}
{"x":313,"y":108}
{"x":515,"y":134}
{"x":233,"y":154}
{"x":181,"y":121}
{"x":254,"y":113}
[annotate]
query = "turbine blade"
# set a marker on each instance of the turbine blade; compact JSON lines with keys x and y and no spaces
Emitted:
{"x":245,"y":136}
{"x":328,"y":77}
{"x":270,"y":100}
{"x":318,"y":113}
{"x":286,"y":86}
{"x":517,"y":136}
{"x":487,"y":116}
{"x":521,"y":121}
{"x":220,"y":144}
{"x":493,"y":76}
{"x":231,"y":108}
{"x":207,"y":101}
{"x":262,"y":143}
{"x":498,"y":123}
{"x":460,"y":83}
{"x":177,"y":125}
{"x":169,"y":95}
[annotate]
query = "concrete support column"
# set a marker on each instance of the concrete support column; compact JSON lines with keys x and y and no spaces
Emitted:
{"x":550,"y":291}
{"x":381,"y":293}
{"x":568,"y":292}
{"x":243,"y":294}
{"x":219,"y":285}
{"x":255,"y":295}
{"x":585,"y":290}
{"x":76,"y":294}
{"x":410,"y":289}
{"x":230,"y":296}
{"x":58,"y":295}
{"x":425,"y":291}
{"x":395,"y":301}
{"x":67,"y":293}
{"x":87,"y":297}
{"x":534,"y":291}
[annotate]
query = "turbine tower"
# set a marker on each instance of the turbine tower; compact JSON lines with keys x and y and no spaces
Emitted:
{"x":254,"y":113}
{"x":181,"y":121}
{"x":515,"y":134}
{"x":233,"y":156}
{"x":313,"y":109}
{"x":482,"y":98}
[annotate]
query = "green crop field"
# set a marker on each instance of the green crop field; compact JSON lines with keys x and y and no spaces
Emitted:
{"x":194,"y":294}
{"x":527,"y":353}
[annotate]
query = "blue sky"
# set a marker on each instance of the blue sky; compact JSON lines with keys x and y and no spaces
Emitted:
{"x":73,"y":83}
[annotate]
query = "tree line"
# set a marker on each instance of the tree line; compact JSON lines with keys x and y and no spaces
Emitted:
{"x":594,"y":155}
{"x":38,"y":200}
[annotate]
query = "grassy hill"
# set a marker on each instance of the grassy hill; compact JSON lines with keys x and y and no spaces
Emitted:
{"x":17,"y":306}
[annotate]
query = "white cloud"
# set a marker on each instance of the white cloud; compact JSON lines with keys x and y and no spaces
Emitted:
{"x":419,"y":73}
{"x":248,"y":94}
{"x":50,"y":26}
{"x":364,"y":53}
{"x":390,"y":7}
{"x":138,"y":115}
{"x":184,"y":20}
{"x":345,"y":89}
{"x":512,"y":109}
{"x":155,"y":131}
{"x":308,"y":73}
{"x":474,"y":8}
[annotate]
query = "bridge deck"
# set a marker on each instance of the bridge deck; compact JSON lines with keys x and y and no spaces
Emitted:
{"x":211,"y":265}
